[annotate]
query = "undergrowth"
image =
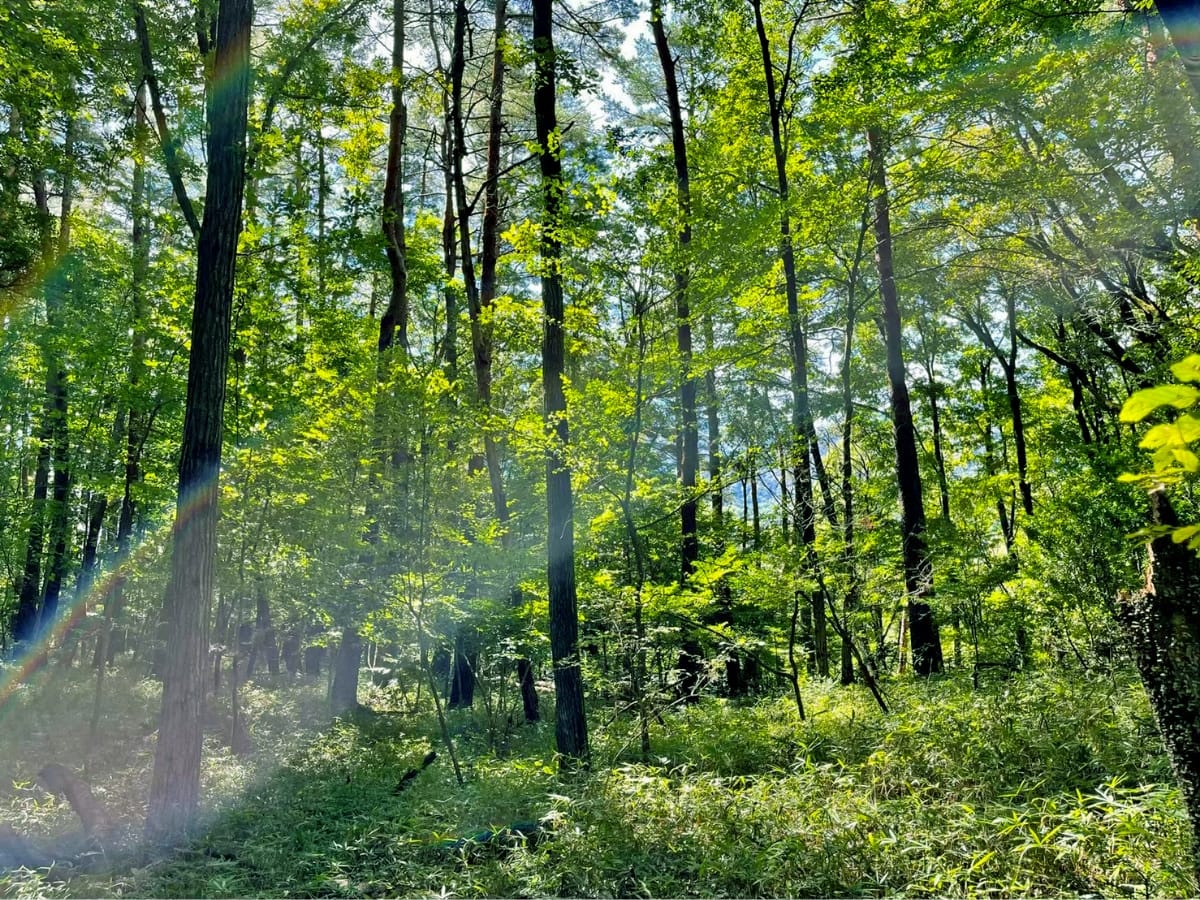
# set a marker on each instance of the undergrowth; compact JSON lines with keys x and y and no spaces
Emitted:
{"x":1043,"y":785}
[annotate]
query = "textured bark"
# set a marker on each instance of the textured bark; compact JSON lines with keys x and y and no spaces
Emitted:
{"x":175,"y":787}
{"x":1162,"y":624}
{"x":918,"y":568}
{"x":570,"y":727}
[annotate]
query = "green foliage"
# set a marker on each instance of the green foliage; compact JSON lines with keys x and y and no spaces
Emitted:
{"x":1038,"y":785}
{"x":1173,"y":459}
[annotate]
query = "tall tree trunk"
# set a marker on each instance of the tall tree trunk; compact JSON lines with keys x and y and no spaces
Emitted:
{"x":175,"y":787}
{"x":689,"y":442}
{"x":29,"y":593}
{"x":802,"y":422}
{"x":393,"y":324}
{"x":134,"y":416}
{"x":918,"y":568}
{"x":851,"y":601}
{"x":481,"y":295}
{"x":1161,"y":622}
{"x":60,"y":511}
{"x":570,"y":727}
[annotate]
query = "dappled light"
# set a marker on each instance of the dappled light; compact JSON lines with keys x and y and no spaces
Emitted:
{"x":554,"y":448}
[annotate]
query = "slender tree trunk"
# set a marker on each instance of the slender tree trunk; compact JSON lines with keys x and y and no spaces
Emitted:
{"x":175,"y":787}
{"x":689,"y":441}
{"x":850,"y":602}
{"x":481,"y":296}
{"x":25,"y":623}
{"x":802,"y":423}
{"x":570,"y":718}
{"x":918,"y":568}
{"x":140,"y":240}
{"x":60,"y":511}
{"x":393,"y":324}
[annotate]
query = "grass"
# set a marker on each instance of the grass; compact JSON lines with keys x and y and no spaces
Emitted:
{"x":1043,"y":785}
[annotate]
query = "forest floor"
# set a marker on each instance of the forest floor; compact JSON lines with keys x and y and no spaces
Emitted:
{"x":1046,"y":784}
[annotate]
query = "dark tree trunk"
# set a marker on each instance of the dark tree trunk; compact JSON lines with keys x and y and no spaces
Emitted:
{"x":343,"y":695}
{"x":802,"y":450}
{"x":314,"y":658}
{"x":175,"y":787}
{"x":291,"y":654}
{"x":850,"y":602}
{"x":393,"y":324}
{"x":1162,"y":624}
{"x":264,"y":631}
{"x":29,"y":594}
{"x":462,"y":681}
{"x":482,"y":294}
{"x":529,"y":697}
{"x":28,"y":616}
{"x":918,"y":568}
{"x":570,"y":727}
{"x":60,"y":511}
{"x":689,"y":439}
{"x":1007,"y":357}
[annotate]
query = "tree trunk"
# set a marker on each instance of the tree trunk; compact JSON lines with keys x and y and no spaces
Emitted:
{"x":570,"y":727}
{"x":802,"y":449}
{"x":1162,"y":624}
{"x":343,"y":696}
{"x":175,"y":787}
{"x":918,"y":568}
{"x":60,"y":512}
{"x":393,"y":324}
{"x":689,"y":441}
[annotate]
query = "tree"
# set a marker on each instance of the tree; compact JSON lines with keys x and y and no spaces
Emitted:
{"x":570,"y":725}
{"x":175,"y":789}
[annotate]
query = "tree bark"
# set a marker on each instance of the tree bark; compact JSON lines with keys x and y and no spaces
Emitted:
{"x":1162,"y":624}
{"x":175,"y":787}
{"x":570,"y":727}
{"x":918,"y":568}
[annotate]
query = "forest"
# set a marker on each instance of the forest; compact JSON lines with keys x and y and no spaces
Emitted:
{"x":636,"y":448}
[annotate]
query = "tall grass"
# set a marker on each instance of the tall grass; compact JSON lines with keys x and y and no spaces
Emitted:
{"x":1043,"y":785}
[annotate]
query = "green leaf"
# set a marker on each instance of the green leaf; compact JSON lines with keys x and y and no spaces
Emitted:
{"x":1179,"y":433}
{"x":1179,"y":535}
{"x":1187,"y":459}
{"x":1187,"y":369}
{"x":1144,"y":402}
